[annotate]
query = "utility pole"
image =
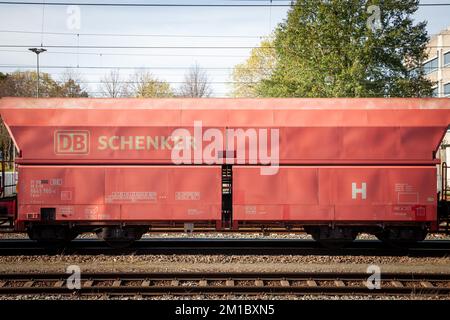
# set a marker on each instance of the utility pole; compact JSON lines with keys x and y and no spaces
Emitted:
{"x":37,"y":51}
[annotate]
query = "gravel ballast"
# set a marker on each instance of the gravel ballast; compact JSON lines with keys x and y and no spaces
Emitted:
{"x":226,"y":235}
{"x":224,"y":263}
{"x":218,"y":263}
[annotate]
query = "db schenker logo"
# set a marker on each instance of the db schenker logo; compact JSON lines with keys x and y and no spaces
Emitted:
{"x":72,"y":142}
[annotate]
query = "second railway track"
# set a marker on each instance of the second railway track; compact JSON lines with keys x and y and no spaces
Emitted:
{"x":208,"y":246}
{"x":140,"y":284}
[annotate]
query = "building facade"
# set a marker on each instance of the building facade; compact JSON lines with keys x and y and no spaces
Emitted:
{"x":437,"y":69}
{"x":437,"y":66}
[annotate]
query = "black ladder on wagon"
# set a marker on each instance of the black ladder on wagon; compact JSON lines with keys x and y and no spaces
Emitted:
{"x":444,"y":205}
{"x":227,"y":196}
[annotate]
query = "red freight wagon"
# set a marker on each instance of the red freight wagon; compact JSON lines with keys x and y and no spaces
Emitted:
{"x":120,"y":167}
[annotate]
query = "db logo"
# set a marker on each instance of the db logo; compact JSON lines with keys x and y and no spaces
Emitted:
{"x":72,"y":142}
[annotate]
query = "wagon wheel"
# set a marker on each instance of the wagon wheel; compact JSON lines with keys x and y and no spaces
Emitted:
{"x":121,"y":237}
{"x":332,"y":238}
{"x":401,"y":237}
{"x":52,"y":237}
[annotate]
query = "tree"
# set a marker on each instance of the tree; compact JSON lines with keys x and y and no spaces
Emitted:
{"x":112,"y":86}
{"x":71,"y":85}
{"x":360,"y":49}
{"x":6,"y":143}
{"x":258,"y":67}
{"x":71,"y":89}
{"x":145,"y":85}
{"x":196,"y":83}
{"x":23,"y":84}
{"x":3,"y":78}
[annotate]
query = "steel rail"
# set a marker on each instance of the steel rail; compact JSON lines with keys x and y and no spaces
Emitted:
{"x":193,"y":283}
{"x":217,"y":246}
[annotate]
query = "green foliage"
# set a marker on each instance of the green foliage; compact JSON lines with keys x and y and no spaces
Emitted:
{"x":155,"y":89}
{"x":23,"y":84}
{"x":327,"y":49}
{"x":259,"y":66}
{"x":6,"y":144}
{"x":146,"y":85}
{"x":71,"y":89}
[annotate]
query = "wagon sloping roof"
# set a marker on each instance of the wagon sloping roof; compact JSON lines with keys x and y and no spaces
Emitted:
{"x":310,"y":130}
{"x":297,"y":112}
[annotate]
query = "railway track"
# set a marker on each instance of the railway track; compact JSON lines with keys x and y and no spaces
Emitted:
{"x":208,"y":246}
{"x":141,"y":284}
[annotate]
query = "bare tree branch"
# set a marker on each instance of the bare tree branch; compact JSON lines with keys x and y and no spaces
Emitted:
{"x":111,"y":85}
{"x":196,"y":83}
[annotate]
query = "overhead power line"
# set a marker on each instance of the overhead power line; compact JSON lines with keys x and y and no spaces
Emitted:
{"x":10,"y":66}
{"x":132,"y":35}
{"x":119,"y":67}
{"x":81,"y":73}
{"x":149,"y":35}
{"x":134,"y":54}
{"x":117,"y":4}
{"x":130,"y":47}
{"x":106,"y":95}
{"x":173,"y":47}
{"x":171,"y":82}
{"x":161,"y":73}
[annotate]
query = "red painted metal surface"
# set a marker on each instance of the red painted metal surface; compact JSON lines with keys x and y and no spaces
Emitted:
{"x":117,"y":193}
{"x":8,"y":208}
{"x":335,"y":194}
{"x":311,"y":131}
{"x":93,"y":159}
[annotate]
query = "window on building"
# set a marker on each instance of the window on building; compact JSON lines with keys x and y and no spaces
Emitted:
{"x":430,"y":66}
{"x":435,"y":92}
{"x":447,"y":89}
{"x":447,"y":58}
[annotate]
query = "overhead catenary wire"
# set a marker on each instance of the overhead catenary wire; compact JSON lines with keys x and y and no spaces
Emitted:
{"x":134,"y":34}
{"x":159,"y":80}
{"x":128,"y":72}
{"x":120,"y":67}
{"x":160,"y":4}
{"x":178,"y":47}
{"x":146,"y":67}
{"x":129,"y":47}
{"x":149,"y":35}
{"x":132,"y":54}
{"x":42,"y":23}
{"x":103,"y":92}
{"x":138,"y":35}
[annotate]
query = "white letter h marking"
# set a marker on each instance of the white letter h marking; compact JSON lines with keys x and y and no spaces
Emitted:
{"x":362,"y":190}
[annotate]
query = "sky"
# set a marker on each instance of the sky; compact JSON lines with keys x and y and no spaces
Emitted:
{"x":242,"y":27}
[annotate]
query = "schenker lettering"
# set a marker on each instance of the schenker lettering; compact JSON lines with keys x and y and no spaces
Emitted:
{"x":210,"y":146}
{"x":127,"y":143}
